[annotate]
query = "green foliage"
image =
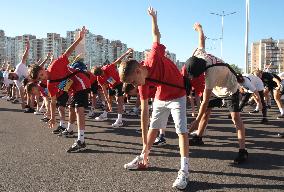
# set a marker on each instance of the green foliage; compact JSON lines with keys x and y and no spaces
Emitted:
{"x":236,"y":68}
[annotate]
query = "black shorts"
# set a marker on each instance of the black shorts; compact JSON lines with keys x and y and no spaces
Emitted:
{"x":80,"y":99}
{"x":232,"y":102}
{"x":117,"y":90}
{"x":61,"y":100}
{"x":95,"y":88}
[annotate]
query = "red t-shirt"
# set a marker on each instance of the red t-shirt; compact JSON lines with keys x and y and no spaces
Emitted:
{"x":110,"y":77}
{"x":163,"y":69}
{"x":197,"y":83}
{"x":60,"y":69}
{"x":93,"y":78}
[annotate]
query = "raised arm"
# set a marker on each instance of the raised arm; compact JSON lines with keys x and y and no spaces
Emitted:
{"x":201,"y":39}
{"x":118,"y":60}
{"x":45,"y":60}
{"x":82,"y":33}
{"x":155,"y":29}
{"x":26,"y":53}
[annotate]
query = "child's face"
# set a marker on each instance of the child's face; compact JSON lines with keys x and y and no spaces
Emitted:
{"x":42,"y":75}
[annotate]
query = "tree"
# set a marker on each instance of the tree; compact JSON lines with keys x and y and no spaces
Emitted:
{"x":236,"y":68}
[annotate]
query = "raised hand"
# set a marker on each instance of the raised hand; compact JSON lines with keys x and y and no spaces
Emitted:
{"x":83,"y":32}
{"x":152,"y":12}
{"x":197,"y":26}
{"x":130,"y":50}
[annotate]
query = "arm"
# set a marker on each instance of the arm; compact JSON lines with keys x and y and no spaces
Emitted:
{"x":155,"y":29}
{"x":26,"y":53}
{"x":45,"y":60}
{"x":106,"y":97}
{"x":118,"y":60}
{"x":201,"y":39}
{"x":82,"y":33}
{"x":144,"y":122}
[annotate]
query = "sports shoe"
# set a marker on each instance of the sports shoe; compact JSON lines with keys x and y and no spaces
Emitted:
{"x":281,"y":135}
{"x":242,"y":156}
{"x":66,"y":134}
{"x":181,"y":180}
{"x":91,"y":114}
{"x":117,"y":123}
{"x":38,"y":113}
{"x":254,"y":111}
{"x":132,"y":112}
{"x":264,"y":120}
{"x":15,"y":101}
{"x":59,"y":129}
{"x":280,"y":116}
{"x":45,"y":119}
{"x":29,"y":110}
{"x":135,"y":164}
{"x":10,"y":98}
{"x":196,"y":141}
{"x":102,"y":117}
{"x":78,"y":145}
{"x":160,"y":141}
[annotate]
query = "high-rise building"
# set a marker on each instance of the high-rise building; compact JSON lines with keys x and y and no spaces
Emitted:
{"x":265,"y":52}
{"x":2,"y":46}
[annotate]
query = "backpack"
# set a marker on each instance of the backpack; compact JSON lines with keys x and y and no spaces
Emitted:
{"x":66,"y":82}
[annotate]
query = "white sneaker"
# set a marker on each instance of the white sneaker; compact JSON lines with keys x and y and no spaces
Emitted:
{"x":135,"y":164}
{"x":38,"y":113}
{"x":5,"y":97}
{"x":181,"y":180}
{"x":102,"y":117}
{"x":117,"y":123}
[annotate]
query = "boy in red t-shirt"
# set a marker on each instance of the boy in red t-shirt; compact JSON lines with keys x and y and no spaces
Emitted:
{"x":62,"y":77}
{"x":108,"y":76}
{"x":168,"y":99}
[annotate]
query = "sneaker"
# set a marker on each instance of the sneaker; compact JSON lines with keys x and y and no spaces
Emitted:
{"x":91,"y":114}
{"x":160,"y":141}
{"x":58,"y":130}
{"x":135,"y":164}
{"x":181,"y":180}
{"x":38,"y":113}
{"x":280,"y":116}
{"x":15,"y":101}
{"x":196,"y":141}
{"x":264,"y":120}
{"x":29,"y":110}
{"x":101,"y":118}
{"x":77,"y":146}
{"x":281,"y":135}
{"x":10,"y":98}
{"x":66,"y":134}
{"x":45,"y":119}
{"x":117,"y":123}
{"x":242,"y":156}
{"x":254,"y":111}
{"x":132,"y":113}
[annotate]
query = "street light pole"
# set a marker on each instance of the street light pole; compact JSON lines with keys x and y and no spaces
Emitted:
{"x":222,"y":15}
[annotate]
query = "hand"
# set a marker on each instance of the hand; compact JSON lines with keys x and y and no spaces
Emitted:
{"x":51,"y":123}
{"x":197,"y":27}
{"x":152,"y":12}
{"x":193,"y":126}
{"x":28,"y":45}
{"x":49,"y":55}
{"x":83,"y":32}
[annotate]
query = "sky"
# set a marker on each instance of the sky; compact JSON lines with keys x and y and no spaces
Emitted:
{"x":127,"y":20}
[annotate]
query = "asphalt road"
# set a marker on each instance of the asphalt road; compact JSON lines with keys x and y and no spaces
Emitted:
{"x":34,"y":159}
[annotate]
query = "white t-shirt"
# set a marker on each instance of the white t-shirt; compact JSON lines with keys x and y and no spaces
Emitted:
{"x":7,"y":81}
{"x":256,"y":81}
{"x":220,"y":78}
{"x":247,"y":85}
{"x":22,"y":72}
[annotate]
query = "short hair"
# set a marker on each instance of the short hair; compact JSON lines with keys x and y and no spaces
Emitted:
{"x":30,"y":87}
{"x":126,"y":68}
{"x":98,"y":71}
{"x":34,"y":71}
{"x":127,"y":87}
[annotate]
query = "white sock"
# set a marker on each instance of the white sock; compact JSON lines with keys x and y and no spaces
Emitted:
{"x":62,"y":123}
{"x":119,"y":117}
{"x":104,"y":114}
{"x":184,"y":164}
{"x":69,"y":127}
{"x":281,"y":111}
{"x":81,"y":135}
{"x":135,"y":109}
{"x":257,"y":107}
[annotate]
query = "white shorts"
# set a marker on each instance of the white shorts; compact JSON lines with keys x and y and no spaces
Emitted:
{"x":162,"y":110}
